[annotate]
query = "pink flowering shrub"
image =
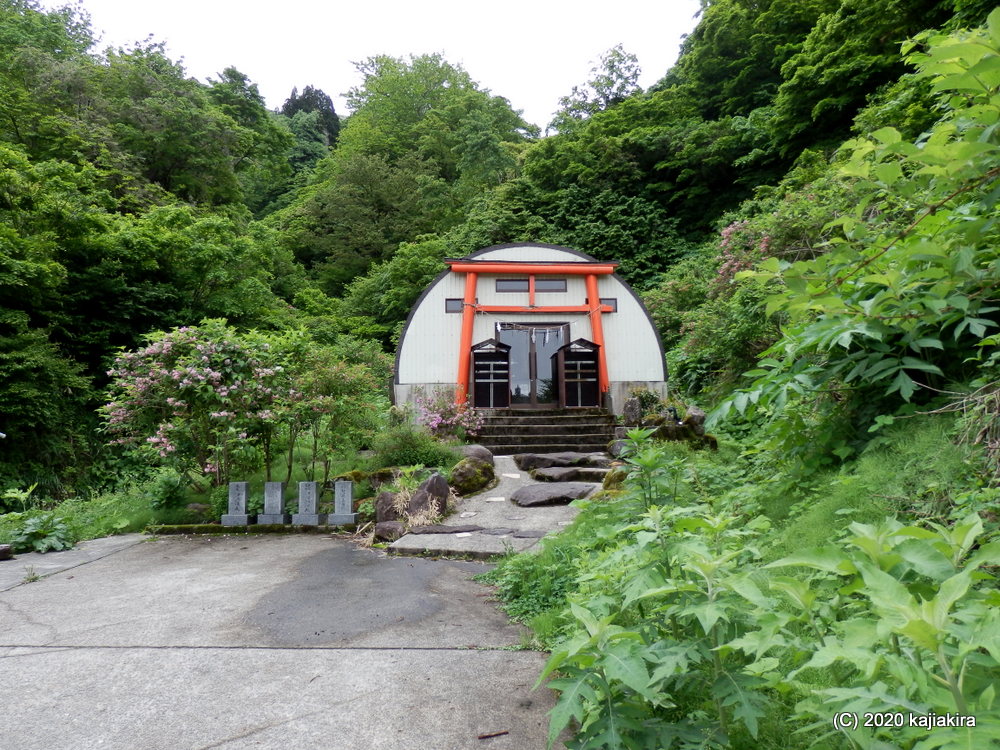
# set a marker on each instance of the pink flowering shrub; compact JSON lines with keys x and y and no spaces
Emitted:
{"x":209,"y":401}
{"x":439,"y":414}
{"x":741,"y":247}
{"x":197,"y":399}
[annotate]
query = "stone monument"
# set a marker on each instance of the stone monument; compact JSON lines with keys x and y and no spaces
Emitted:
{"x":308,"y":502}
{"x":274,"y":504}
{"x":343,"y":504}
{"x":237,"y":515}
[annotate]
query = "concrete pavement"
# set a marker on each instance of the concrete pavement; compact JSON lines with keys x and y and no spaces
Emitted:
{"x":299,"y":641}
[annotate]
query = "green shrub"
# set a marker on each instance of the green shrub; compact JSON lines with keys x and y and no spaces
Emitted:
{"x":407,"y":445}
{"x":167,"y":489}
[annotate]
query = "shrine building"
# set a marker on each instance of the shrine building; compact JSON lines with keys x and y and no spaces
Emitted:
{"x":529,"y":326}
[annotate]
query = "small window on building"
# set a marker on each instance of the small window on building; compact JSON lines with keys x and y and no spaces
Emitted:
{"x":550,"y":285}
{"x":611,"y":302}
{"x":512,"y":285}
{"x":454,"y":305}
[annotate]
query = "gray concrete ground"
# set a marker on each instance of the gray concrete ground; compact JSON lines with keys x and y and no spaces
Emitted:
{"x":300,"y":641}
{"x":29,"y":565}
{"x":492,"y":510}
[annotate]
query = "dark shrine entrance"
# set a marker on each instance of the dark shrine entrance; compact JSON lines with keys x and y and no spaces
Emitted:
{"x":535,"y":366}
{"x":534,"y":376}
{"x":577,"y":363}
{"x":491,"y":375}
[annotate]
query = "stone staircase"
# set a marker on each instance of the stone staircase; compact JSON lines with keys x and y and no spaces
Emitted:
{"x":510,"y":431}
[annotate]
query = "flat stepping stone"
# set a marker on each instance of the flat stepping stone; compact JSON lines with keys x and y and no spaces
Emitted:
{"x":440,"y":528}
{"x":555,"y":493}
{"x":497,"y":532}
{"x":529,"y":534}
{"x":528,"y":461}
{"x":570,"y":474}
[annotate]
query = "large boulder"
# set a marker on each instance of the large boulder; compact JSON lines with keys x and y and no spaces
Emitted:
{"x":385,"y":508}
{"x":695,"y":421}
{"x":632,"y":412}
{"x":381,"y":476}
{"x":431,"y":495}
{"x":389,"y":531}
{"x":556,"y":493}
{"x":477,"y":451}
{"x":615,"y":477}
{"x":617,"y":447}
{"x":471,"y":475}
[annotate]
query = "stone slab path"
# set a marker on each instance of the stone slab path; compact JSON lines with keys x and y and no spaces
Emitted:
{"x":505,"y":526}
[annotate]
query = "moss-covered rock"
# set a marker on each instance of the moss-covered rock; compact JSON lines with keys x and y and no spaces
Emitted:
{"x":471,"y":475}
{"x":613,"y":479}
{"x":355,"y":475}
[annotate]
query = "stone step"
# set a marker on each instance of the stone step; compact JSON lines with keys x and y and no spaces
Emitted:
{"x":547,"y":440}
{"x":546,"y":429}
{"x":509,"y":449}
{"x":570,"y":474}
{"x":554,"y":419}
{"x":591,"y":411}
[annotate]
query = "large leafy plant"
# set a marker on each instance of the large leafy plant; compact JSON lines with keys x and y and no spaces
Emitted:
{"x":913,"y":628}
{"x":905,"y":289}
{"x":43,"y":533}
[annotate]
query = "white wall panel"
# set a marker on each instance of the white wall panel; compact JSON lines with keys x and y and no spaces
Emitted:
{"x":429,"y":349}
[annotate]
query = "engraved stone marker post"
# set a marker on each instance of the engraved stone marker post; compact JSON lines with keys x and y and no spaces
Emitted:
{"x":307,"y":515}
{"x":237,"y":515}
{"x":343,"y":503}
{"x":274,"y":504}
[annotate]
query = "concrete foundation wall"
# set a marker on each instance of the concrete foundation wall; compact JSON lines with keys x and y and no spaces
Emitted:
{"x":617,"y":392}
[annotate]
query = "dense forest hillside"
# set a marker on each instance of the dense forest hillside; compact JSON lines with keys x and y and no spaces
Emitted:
{"x":136,"y":199}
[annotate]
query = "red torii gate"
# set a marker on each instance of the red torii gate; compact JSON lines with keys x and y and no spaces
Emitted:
{"x":472,"y":269}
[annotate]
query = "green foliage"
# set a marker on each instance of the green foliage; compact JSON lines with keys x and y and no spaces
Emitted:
{"x":208,"y":400}
{"x":422,"y":141}
{"x":388,"y":291}
{"x":850,"y":51}
{"x":43,"y":533}
{"x":899,"y":300}
{"x":677,"y":292}
{"x":408,"y":445}
{"x":671,"y":630}
{"x":722,"y":337}
{"x":16,"y":501}
{"x":167,"y":489}
{"x":613,"y":81}
{"x":317,"y":102}
{"x":913,"y":628}
{"x":732,"y":62}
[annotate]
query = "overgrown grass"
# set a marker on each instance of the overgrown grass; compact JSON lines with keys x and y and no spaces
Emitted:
{"x":915,"y":469}
{"x":659,"y":587}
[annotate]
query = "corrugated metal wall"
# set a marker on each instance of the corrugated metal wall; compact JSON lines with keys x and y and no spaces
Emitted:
{"x":429,"y":349}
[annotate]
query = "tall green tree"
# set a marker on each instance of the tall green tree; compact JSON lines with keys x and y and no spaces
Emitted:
{"x":423,"y":140}
{"x":612,"y":81}
{"x":318,"y":101}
